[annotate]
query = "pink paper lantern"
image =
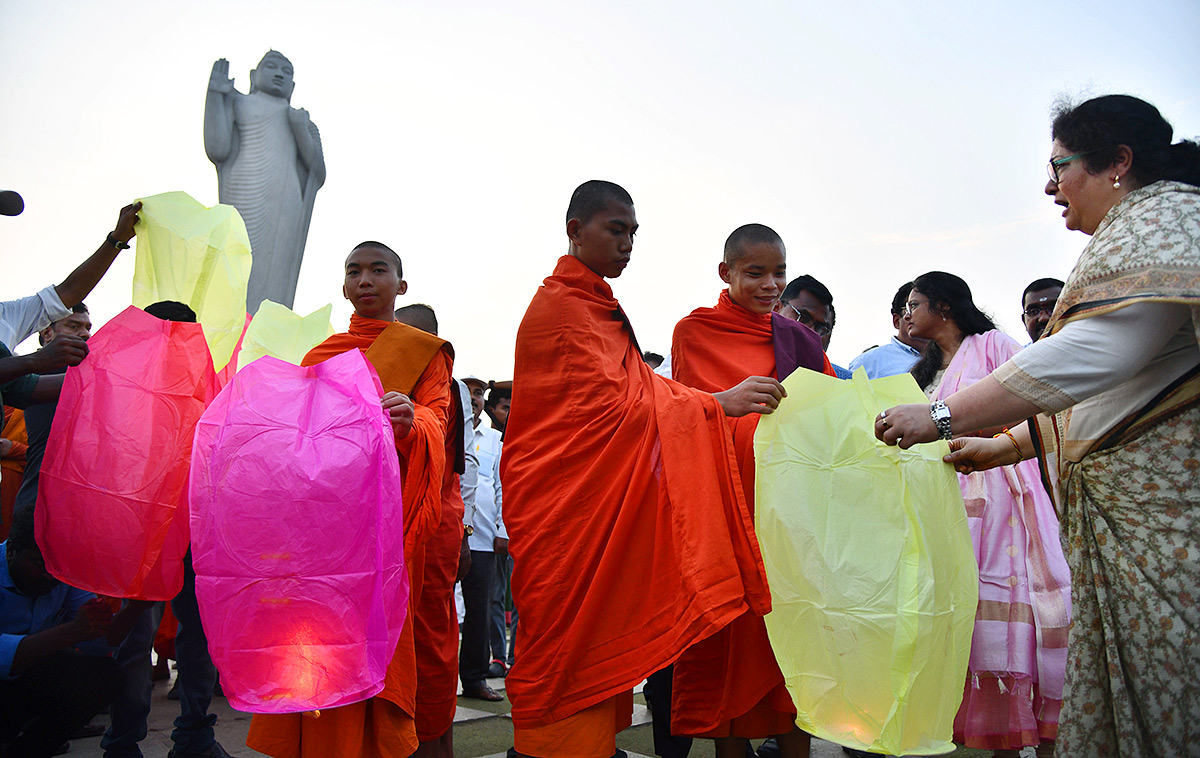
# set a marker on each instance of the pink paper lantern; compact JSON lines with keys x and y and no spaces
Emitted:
{"x":112,"y":512}
{"x":298,"y":535}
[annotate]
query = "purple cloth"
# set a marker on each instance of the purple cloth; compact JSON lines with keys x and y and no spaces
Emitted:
{"x":796,"y":346}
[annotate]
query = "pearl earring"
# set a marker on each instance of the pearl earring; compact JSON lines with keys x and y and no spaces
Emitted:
{"x":1117,"y":183}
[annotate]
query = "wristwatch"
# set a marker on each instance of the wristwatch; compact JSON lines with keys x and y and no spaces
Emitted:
{"x":941,"y":418}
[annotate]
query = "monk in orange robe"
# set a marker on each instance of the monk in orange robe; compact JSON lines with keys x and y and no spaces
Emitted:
{"x":414,"y":368}
{"x":729,"y":687}
{"x":436,"y":620}
{"x":629,"y":531}
{"x":12,"y":462}
{"x":446,"y":560}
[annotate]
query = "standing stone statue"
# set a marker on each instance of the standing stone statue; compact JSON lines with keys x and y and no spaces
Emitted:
{"x":269,"y":166}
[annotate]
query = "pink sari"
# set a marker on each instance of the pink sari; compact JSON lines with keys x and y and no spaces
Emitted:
{"x":1014,"y":685}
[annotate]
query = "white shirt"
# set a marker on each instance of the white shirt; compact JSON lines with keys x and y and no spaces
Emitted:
{"x":489,"y":499}
{"x":21,"y":318}
{"x":467,"y":482}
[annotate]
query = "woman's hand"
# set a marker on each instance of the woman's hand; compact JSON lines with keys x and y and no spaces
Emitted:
{"x":970,"y":454}
{"x":905,"y":425}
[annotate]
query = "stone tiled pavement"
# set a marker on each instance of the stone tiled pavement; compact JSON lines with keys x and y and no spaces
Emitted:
{"x":481,"y":729}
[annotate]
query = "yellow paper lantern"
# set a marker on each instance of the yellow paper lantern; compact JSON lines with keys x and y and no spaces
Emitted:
{"x":280,"y":332}
{"x":195,"y":255}
{"x":873,"y":578}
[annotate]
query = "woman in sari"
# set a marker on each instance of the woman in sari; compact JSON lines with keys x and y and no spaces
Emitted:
{"x":1115,"y":388}
{"x":1014,"y":681}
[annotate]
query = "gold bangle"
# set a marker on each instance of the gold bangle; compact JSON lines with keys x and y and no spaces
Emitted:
{"x":1011,"y":439}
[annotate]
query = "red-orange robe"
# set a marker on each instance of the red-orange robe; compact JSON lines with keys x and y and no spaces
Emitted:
{"x":730,"y":684}
{"x":13,"y":466}
{"x":418,"y":364}
{"x":436,"y":629}
{"x":168,"y":630}
{"x":630,"y":535}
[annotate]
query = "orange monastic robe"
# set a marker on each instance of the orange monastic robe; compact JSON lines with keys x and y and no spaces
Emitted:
{"x":13,"y":466}
{"x":630,"y":535}
{"x":436,"y":622}
{"x":730,"y":685}
{"x":418,"y":364}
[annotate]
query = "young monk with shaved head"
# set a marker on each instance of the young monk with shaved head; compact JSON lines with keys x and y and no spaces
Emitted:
{"x":447,"y":560}
{"x":630,"y":534}
{"x":728,"y":687}
{"x":414,"y":368}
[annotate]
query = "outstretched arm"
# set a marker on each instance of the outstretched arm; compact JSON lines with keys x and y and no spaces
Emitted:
{"x":80,"y":282}
{"x":218,"y":113}
{"x":63,"y":350}
{"x":984,"y":405}
{"x":969,"y":454}
{"x":90,"y":621}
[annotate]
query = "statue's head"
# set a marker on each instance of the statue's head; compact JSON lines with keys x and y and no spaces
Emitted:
{"x":273,"y":76}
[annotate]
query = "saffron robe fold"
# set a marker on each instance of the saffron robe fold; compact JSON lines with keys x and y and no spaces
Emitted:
{"x":13,"y":466}
{"x":418,"y":364}
{"x":730,"y":684}
{"x":436,"y":624}
{"x":630,"y":535}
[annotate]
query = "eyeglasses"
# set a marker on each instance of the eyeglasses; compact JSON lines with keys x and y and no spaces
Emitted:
{"x":912,"y":305}
{"x":1031,"y":311}
{"x":1052,"y":166}
{"x":823,"y":328}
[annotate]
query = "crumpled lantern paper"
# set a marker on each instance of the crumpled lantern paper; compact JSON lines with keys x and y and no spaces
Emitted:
{"x":226,"y":374}
{"x":198,"y":256}
{"x":282,"y":333}
{"x":112,"y":495}
{"x":298,"y":534}
{"x":873,"y":577}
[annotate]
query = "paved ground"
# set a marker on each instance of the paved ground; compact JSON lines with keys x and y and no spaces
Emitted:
{"x":481,"y":729}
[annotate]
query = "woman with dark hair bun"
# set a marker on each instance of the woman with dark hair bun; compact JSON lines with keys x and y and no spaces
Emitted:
{"x":1112,"y":391}
{"x":1014,"y":685}
{"x":951,"y":313}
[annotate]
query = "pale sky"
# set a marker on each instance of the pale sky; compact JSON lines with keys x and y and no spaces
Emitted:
{"x":880,"y":140}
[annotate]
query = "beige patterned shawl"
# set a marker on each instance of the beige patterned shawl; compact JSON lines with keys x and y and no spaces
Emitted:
{"x":1147,"y":249}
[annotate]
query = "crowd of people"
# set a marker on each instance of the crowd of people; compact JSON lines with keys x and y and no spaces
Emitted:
{"x":619,"y":522}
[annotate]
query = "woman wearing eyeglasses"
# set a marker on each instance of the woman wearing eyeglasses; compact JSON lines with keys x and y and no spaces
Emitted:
{"x":1114,"y":383}
{"x":1014,"y":684}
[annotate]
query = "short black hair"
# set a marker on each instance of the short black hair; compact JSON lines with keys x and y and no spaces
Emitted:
{"x":900,"y":299}
{"x":172,"y":310}
{"x":654,"y":359}
{"x":749,"y":234}
{"x":589,"y":198}
{"x":419,"y":315}
{"x":495,"y":395}
{"x":808,"y":283}
{"x":20,"y":537}
{"x":1041,"y":284}
{"x":382,"y":248}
